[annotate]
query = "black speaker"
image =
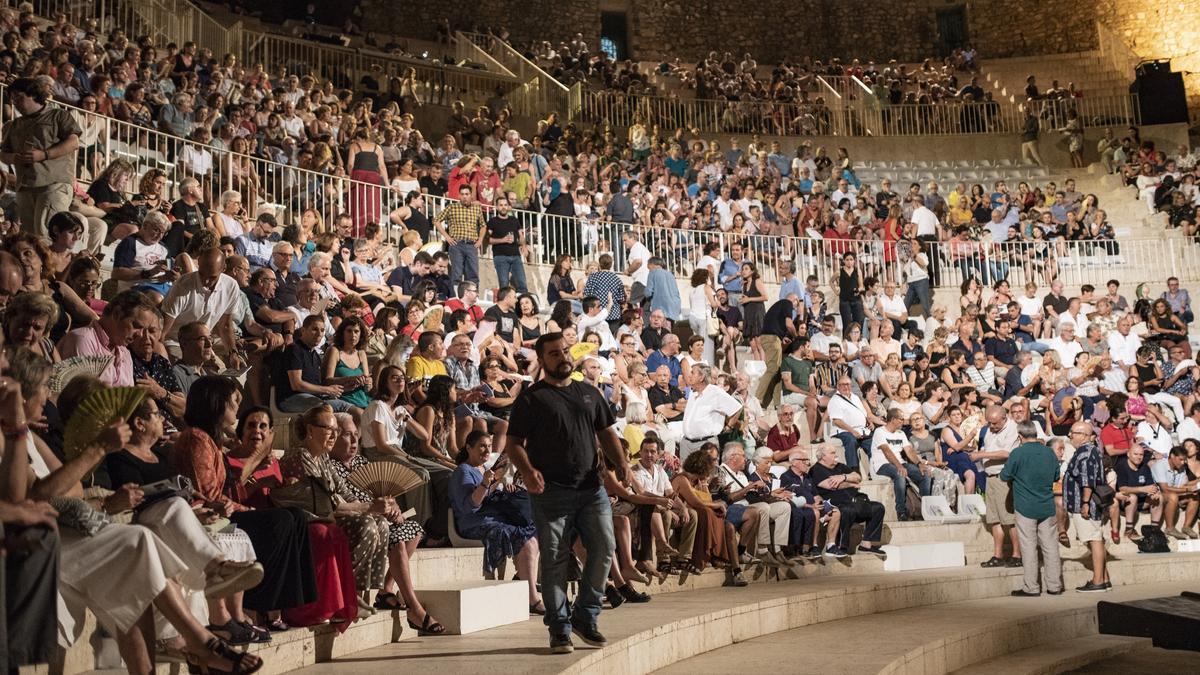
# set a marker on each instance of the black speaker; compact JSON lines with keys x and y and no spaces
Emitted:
{"x":1153,"y":66}
{"x":1161,"y":97}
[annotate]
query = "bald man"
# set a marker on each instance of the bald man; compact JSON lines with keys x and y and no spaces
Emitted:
{"x":998,"y":440}
{"x":12,"y":278}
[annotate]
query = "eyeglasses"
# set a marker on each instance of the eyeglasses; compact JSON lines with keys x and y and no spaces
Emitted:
{"x":324,"y":426}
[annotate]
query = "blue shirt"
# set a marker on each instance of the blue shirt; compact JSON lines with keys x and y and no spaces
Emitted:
{"x":663,"y":293}
{"x":782,"y":163}
{"x":677,"y":167}
{"x":658,"y":359}
{"x":792,"y":286}
{"x":731,"y":267}
{"x":256,"y":250}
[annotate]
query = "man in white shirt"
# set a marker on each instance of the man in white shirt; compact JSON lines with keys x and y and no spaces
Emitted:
{"x":652,"y":479}
{"x":1065,"y":344}
{"x":1177,"y":492}
{"x":892,"y":457}
{"x":293,"y":124}
{"x":711,"y":262}
{"x":745,"y":495}
{"x":206,"y":295}
{"x":849,"y":416}
{"x":844,"y":191}
{"x":1153,"y":433}
{"x":1122,"y":344}
{"x":1189,"y":427}
{"x":637,"y":265}
{"x":1000,"y":438}
{"x":821,"y":341}
{"x":512,"y":141}
{"x":926,"y":221}
{"x":708,"y":409}
{"x":894,"y":309}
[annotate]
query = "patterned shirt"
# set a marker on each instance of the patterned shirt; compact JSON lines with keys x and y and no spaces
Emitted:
{"x":464,"y":222}
{"x":1086,"y":469}
{"x":466,"y":378}
{"x":827,"y":374}
{"x":602,"y":285}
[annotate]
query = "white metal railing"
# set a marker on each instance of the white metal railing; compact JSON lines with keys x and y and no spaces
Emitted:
{"x":288,"y":190}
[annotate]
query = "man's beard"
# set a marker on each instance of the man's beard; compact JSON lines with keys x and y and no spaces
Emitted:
{"x":562,"y":371}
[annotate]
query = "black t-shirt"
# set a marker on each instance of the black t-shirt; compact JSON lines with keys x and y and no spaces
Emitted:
{"x":297,"y":357}
{"x":506,"y":322}
{"x":659,"y":397}
{"x":1128,"y":476}
{"x":102,"y":193}
{"x":189,"y":220}
{"x":418,"y":222}
{"x":500,"y":228}
{"x":652,"y":337}
{"x":778,"y":318}
{"x":124,"y":468}
{"x":559,"y":425}
{"x":838,"y":497}
{"x":1005,"y":351}
{"x":1060,"y":304}
{"x":437,"y":188}
{"x":257,"y":302}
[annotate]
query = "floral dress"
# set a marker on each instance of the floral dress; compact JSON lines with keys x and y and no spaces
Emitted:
{"x":1184,"y":386}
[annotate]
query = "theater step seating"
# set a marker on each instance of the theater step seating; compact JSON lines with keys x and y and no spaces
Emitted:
{"x":1059,"y":657}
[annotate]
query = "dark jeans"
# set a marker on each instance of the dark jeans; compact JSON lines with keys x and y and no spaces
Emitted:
{"x":852,"y":444}
{"x":509,"y":268}
{"x":900,"y":482}
{"x":560,"y":515}
{"x":870,"y":513}
{"x":852,"y":312}
{"x":464,"y":263}
{"x":918,"y":292}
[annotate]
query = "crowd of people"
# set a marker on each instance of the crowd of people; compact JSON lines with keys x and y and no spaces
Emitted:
{"x":233,"y":322}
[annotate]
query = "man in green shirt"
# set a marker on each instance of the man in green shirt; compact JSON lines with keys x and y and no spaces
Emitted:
{"x":1032,"y":469}
{"x":796,"y":375}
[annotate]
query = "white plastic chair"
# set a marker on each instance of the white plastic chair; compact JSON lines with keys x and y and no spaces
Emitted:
{"x":935,"y":509}
{"x":972,"y":505}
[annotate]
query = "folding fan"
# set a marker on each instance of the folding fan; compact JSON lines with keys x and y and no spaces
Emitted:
{"x":433,"y":318}
{"x":385,"y":479}
{"x":582,"y":349}
{"x":971,"y":426}
{"x":68,"y":369}
{"x":101,"y":409}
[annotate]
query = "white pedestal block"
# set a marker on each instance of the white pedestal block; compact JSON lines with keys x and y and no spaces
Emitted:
{"x":1187,"y":545}
{"x":470,"y":606}
{"x":924,"y":556}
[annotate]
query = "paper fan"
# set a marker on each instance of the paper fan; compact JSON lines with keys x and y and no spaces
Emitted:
{"x":101,"y":409}
{"x":68,"y":369}
{"x":433,"y":318}
{"x":971,"y":426}
{"x":582,"y":349}
{"x":385,"y":479}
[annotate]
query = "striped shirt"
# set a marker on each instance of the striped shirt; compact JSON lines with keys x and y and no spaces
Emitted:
{"x":464,"y":222}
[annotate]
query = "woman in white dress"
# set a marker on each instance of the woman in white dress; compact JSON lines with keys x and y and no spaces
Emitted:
{"x":384,"y":423}
{"x":702,"y":302}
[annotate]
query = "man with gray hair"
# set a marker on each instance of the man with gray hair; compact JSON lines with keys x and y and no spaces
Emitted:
{"x":662,"y":293}
{"x":1032,"y":469}
{"x":997,"y":440}
{"x":745,"y":493}
{"x":839,"y":484}
{"x":708,"y":410}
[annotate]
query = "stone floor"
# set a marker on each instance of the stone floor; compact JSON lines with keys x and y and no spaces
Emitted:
{"x":1146,"y":661}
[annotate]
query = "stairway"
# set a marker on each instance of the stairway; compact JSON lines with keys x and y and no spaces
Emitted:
{"x":1090,"y":71}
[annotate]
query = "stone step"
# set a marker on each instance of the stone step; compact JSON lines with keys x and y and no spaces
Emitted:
{"x":471,"y":606}
{"x":1059,"y":657}
{"x":924,"y":556}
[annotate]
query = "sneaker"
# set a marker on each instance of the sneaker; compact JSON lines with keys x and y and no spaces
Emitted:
{"x":615,"y":599}
{"x":1191,"y":533}
{"x":589,"y":634}
{"x":1090,"y":587}
{"x":813,"y":553}
{"x":874,"y":549}
{"x":561,"y":645}
{"x":631,"y":595}
{"x":1058,"y":592}
{"x":902,"y":516}
{"x":1108,"y":584}
{"x":746,"y":559}
{"x":835,"y":552}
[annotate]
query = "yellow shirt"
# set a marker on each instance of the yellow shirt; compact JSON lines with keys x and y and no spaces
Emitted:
{"x":420,"y":368}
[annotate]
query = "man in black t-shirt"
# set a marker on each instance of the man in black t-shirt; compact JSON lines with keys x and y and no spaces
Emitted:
{"x":190,"y":216}
{"x":298,"y":381}
{"x":504,"y":313}
{"x":508,"y":242}
{"x":1135,"y":488}
{"x":652,"y":335}
{"x":838,"y":484}
{"x":552,"y":438}
{"x":778,"y":326}
{"x":434,"y":184}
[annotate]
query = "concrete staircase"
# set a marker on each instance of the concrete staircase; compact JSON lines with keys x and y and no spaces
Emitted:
{"x":1090,"y":71}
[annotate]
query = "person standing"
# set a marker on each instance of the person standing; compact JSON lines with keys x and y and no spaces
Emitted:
{"x":508,"y":246}
{"x":1085,"y":472}
{"x":1029,"y":137}
{"x":1032,"y":469}
{"x":40,"y":145}
{"x":637,"y":266}
{"x":552,"y":440}
{"x":465,"y":235}
{"x":778,"y":325}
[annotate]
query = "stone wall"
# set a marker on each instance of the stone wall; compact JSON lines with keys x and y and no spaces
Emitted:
{"x":773,"y":30}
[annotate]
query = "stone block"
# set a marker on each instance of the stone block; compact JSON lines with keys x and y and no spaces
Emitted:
{"x":924,"y":556}
{"x":470,"y":606}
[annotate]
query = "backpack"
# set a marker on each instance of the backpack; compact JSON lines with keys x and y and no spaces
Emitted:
{"x":946,"y":484}
{"x":1153,"y":540}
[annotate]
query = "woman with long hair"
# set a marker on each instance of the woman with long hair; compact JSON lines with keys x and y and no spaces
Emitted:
{"x":1167,"y":329}
{"x":956,"y":451}
{"x":434,"y":445}
{"x":560,"y":285}
{"x":34,"y":256}
{"x":346,"y":363}
{"x":716,"y":538}
{"x":280,"y":535}
{"x":367,"y":170}
{"x":702,"y":303}
{"x":754,"y":304}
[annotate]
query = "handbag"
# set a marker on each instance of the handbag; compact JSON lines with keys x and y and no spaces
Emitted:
{"x":1104,"y":495}
{"x":308,"y":494}
{"x":713,"y":325}
{"x":176,"y":486}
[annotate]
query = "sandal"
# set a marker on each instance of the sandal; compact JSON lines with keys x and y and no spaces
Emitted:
{"x":278,"y":626}
{"x":230,"y":576}
{"x":233,"y":633}
{"x":260,"y":634}
{"x":219,"y":648}
{"x":1013,"y":562}
{"x":1116,"y":535}
{"x":993,"y":562}
{"x":389,"y":602}
{"x":429,"y":626}
{"x":538,"y":608}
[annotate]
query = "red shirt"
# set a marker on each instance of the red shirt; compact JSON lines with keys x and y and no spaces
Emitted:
{"x":779,"y":442}
{"x":1116,"y":438}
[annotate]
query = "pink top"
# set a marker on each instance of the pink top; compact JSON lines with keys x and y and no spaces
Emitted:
{"x":1136,"y":405}
{"x":93,"y":341}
